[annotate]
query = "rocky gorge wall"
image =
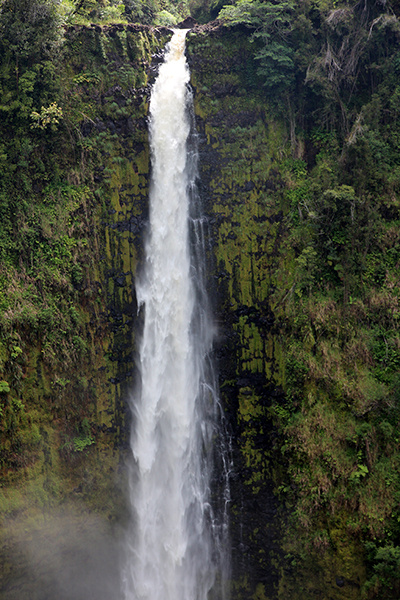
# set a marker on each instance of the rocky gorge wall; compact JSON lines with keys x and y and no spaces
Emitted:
{"x":69,"y":329}
{"x":244,"y":151}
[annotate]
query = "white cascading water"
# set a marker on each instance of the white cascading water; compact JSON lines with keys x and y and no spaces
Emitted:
{"x":174,"y":548}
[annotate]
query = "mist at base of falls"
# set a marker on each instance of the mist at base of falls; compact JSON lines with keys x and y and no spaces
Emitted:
{"x":63,"y":556}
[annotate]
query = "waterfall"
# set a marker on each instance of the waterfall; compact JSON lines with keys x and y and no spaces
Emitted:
{"x":174,"y":548}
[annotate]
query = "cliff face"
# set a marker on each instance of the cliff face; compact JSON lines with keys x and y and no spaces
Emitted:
{"x":302,"y":225}
{"x":245,"y":152}
{"x":303,"y":252}
{"x":78,"y":206}
{"x":241,"y":190}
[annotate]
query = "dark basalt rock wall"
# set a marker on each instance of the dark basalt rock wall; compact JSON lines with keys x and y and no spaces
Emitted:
{"x":245,"y":221}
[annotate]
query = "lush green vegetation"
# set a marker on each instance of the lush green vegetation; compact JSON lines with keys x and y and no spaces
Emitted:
{"x":57,"y":175}
{"x":43,"y":13}
{"x":330,"y":73}
{"x":334,"y":70}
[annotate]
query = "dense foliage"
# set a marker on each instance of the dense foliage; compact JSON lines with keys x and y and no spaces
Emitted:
{"x":52,"y":306}
{"x":336,"y":70}
{"x":42,"y":246}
